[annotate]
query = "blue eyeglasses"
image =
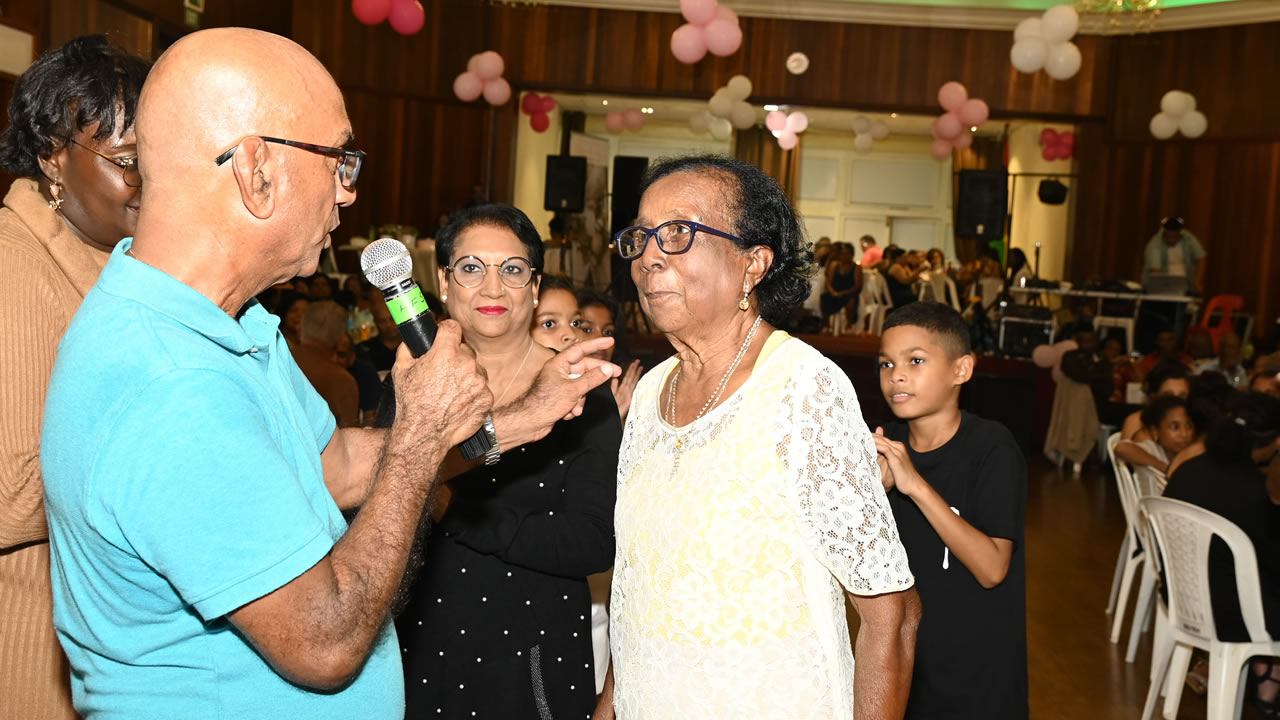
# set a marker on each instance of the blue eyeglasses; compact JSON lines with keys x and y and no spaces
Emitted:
{"x":674,"y":238}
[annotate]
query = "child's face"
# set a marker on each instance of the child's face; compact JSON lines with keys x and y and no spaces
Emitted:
{"x":918,"y":376}
{"x":1175,"y":431}
{"x":556,"y":319}
{"x":597,"y":321}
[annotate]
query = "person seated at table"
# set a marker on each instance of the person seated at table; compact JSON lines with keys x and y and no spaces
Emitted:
{"x":556,"y":315}
{"x":1199,"y":346}
{"x":1229,"y":479}
{"x":1167,"y":379}
{"x":1174,"y":252}
{"x":1166,"y":352}
{"x":936,"y":260}
{"x":1166,"y":430}
{"x":380,"y":350}
{"x":1105,"y":369}
{"x":901,"y":276}
{"x":1211,"y":400}
{"x":1228,"y":363}
{"x":1266,"y":377}
{"x":842,"y":285}
{"x":323,"y":325}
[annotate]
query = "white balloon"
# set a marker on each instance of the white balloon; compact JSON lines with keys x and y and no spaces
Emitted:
{"x":1063,"y":61}
{"x":861,"y":125}
{"x":700,"y":122}
{"x":1193,"y":124}
{"x":1163,"y":127}
{"x":1028,"y":55}
{"x":1059,"y":24}
{"x":739,"y":87}
{"x":1029,"y":28}
{"x":797,"y":122}
{"x":721,"y":104}
{"x":1177,"y":103}
{"x":797,"y":63}
{"x":721,"y":129}
{"x":879,"y":130}
{"x":743,"y":115}
{"x":863,"y":143}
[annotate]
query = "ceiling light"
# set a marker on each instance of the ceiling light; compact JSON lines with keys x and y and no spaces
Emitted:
{"x":604,"y":102}
{"x":770,"y":108}
{"x":893,"y":115}
{"x":973,"y":129}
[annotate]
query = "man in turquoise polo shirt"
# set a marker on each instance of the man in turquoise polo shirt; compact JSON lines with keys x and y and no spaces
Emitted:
{"x":194,"y":479}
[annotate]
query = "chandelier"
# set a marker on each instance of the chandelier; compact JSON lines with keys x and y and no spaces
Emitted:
{"x":1108,"y":17}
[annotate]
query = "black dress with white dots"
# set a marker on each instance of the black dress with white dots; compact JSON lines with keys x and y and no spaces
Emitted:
{"x":499,"y":624}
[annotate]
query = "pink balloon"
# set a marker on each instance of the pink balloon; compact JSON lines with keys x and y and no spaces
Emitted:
{"x":723,"y":37}
{"x":471,"y":63}
{"x":797,"y":122}
{"x":489,"y":65}
{"x":531,"y":104}
{"x":698,"y":12}
{"x":964,"y":142}
{"x":1067,"y":138}
{"x":1044,"y":356}
{"x":614,"y":122}
{"x":952,"y":95}
{"x":497,"y":91}
{"x":407,"y":16}
{"x":634,"y":119}
{"x":941,"y":149}
{"x":949,"y":127}
{"x":539,"y":122}
{"x":724,"y":13}
{"x":1065,"y":151}
{"x":776,"y":121}
{"x":467,"y":87}
{"x":688,"y":44}
{"x":788,"y":140}
{"x":1050,"y":152}
{"x":371,"y":12}
{"x":548,"y":103}
{"x":1049,"y":136}
{"x":974,"y":112}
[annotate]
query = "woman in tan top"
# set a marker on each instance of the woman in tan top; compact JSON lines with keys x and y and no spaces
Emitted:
{"x":71,"y":140}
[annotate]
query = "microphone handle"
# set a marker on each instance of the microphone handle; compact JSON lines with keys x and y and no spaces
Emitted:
{"x":418,"y":330}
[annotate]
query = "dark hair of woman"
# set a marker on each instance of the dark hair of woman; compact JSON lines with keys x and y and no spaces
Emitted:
{"x":1161,"y":373}
{"x":892,"y":253}
{"x":498,"y":215}
{"x":1156,"y":410}
{"x":84,"y":82}
{"x":1211,"y":399}
{"x":1254,"y":423}
{"x":762,"y":215}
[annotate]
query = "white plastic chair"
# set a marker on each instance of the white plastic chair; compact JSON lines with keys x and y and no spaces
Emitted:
{"x":1132,"y":552}
{"x":874,"y":302}
{"x":942,"y":289}
{"x":1182,"y":534}
{"x":1148,"y":482}
{"x":1124,"y":322}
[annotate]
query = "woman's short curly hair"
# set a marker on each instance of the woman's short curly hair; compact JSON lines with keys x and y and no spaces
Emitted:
{"x":67,"y":89}
{"x":761,"y":215}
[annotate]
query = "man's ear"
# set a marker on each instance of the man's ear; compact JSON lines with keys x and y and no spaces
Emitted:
{"x":962,"y":368}
{"x":254,"y":175}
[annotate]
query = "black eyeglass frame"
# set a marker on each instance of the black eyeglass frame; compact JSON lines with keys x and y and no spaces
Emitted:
{"x":125,"y":164}
{"x":533,"y":271}
{"x":651,"y":233}
{"x":337,"y":152}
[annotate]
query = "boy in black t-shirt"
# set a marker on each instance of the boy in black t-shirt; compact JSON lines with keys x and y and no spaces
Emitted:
{"x":957,"y":485}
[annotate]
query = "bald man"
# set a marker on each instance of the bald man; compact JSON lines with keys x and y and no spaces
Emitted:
{"x":194,"y":479}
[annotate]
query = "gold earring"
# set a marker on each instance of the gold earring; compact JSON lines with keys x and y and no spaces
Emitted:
{"x":56,"y":202}
{"x":744,"y":305}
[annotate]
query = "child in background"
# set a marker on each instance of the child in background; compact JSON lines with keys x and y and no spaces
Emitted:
{"x":958,"y":485}
{"x":1167,"y":430}
{"x":600,"y":318}
{"x":556,"y":315}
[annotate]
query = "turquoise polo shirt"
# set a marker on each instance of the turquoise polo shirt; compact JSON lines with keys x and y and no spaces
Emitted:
{"x":182,"y":477}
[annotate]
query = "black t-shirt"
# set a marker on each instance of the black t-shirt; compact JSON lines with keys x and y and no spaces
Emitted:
{"x":377,"y":353}
{"x":971,"y":651}
{"x":1238,"y":493}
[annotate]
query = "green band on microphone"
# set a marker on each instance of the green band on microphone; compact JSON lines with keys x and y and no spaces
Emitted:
{"x":410,"y":304}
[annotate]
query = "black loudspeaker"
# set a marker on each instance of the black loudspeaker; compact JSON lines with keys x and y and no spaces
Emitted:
{"x":1052,"y":192}
{"x":983,"y":202}
{"x":566,"y":183}
{"x":1019,"y":336}
{"x":625,"y":203}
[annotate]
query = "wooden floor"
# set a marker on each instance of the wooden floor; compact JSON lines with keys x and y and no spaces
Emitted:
{"x":1074,"y":527}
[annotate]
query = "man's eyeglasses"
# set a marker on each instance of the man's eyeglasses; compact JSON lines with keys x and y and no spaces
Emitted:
{"x":348,"y":164}
{"x":674,"y":238}
{"x":469,"y":271}
{"x":128,"y":164}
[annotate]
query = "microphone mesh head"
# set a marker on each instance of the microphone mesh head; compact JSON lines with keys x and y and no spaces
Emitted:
{"x":386,"y":262}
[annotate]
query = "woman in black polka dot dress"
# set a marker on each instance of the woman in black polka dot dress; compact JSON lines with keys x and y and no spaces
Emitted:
{"x":498,"y":624}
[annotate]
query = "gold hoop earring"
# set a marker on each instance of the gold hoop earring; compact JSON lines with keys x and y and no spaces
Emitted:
{"x":56,"y":203}
{"x":744,"y":305}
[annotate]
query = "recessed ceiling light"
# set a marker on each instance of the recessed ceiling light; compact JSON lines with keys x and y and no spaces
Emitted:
{"x":604,"y":102}
{"x":973,"y":129}
{"x":770,"y":108}
{"x":893,"y":115}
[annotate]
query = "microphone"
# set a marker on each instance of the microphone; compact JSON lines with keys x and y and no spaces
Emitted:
{"x":386,"y":263}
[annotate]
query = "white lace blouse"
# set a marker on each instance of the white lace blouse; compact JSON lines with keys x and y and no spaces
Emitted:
{"x":735,"y":535}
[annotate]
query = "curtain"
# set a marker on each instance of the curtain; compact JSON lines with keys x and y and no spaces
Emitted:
{"x":758,"y":146}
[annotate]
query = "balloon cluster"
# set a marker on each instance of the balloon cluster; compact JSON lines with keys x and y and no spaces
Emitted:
{"x":866,"y":132}
{"x":536,"y":107}
{"x":1178,"y":113}
{"x":1045,"y":43}
{"x":1050,"y":356}
{"x":619,"y":120}
{"x":483,"y":76}
{"x":711,"y":27}
{"x":951,"y":130}
{"x":787,"y":128}
{"x":730,"y":103}
{"x":1056,"y":145}
{"x":720,"y":128}
{"x":406,"y":16}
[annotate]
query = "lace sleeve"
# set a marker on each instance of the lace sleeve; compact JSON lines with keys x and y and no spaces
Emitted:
{"x":835,"y":487}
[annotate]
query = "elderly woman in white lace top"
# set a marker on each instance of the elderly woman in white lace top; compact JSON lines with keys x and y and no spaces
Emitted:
{"x":749,"y":497}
